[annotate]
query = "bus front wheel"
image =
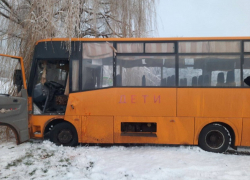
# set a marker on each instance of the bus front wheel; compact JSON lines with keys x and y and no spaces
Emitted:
{"x":64,"y":134}
{"x":214,"y":138}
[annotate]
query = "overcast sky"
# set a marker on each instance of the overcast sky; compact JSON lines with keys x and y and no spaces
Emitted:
{"x":203,"y":18}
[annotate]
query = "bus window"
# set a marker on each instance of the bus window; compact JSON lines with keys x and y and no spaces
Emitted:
{"x":210,"y":47}
{"x":97,"y":65}
{"x":145,"y":71}
{"x":159,"y":48}
{"x":247,"y":46}
{"x":130,"y":47}
{"x":50,"y":86}
{"x":75,"y":75}
{"x":246,"y":70}
{"x":201,"y":70}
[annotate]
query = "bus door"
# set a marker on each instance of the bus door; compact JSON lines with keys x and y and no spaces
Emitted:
{"x":13,"y":97}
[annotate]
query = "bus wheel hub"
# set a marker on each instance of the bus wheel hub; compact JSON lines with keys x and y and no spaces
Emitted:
{"x":214,"y":139}
{"x":65,"y":136}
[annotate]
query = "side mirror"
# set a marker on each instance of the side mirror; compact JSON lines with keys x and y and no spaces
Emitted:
{"x":18,"y":80}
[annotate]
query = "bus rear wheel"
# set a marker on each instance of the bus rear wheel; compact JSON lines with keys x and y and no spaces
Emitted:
{"x":64,"y":134}
{"x":214,"y":138}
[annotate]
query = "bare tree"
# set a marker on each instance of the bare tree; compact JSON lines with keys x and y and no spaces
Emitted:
{"x":23,"y":22}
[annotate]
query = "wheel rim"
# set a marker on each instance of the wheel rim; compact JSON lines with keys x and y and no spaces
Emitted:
{"x":65,"y":136}
{"x":214,"y":139}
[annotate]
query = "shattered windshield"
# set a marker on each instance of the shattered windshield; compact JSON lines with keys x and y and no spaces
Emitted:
{"x":55,"y":71}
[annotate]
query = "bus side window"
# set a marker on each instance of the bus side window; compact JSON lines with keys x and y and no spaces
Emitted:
{"x":220,"y":79}
{"x":230,"y":79}
{"x":75,"y":75}
{"x":246,"y":70}
{"x":211,"y":70}
{"x":144,"y":71}
{"x":97,"y":65}
{"x":247,"y":80}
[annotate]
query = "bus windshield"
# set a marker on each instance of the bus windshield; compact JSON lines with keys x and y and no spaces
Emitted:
{"x":51,"y":88}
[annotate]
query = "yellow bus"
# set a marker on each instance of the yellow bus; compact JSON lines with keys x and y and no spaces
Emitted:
{"x":178,"y":91}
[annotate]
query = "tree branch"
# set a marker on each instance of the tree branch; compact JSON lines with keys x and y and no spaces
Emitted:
{"x":6,"y":3}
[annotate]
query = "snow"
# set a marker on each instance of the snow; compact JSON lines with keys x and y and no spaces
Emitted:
{"x":47,"y":161}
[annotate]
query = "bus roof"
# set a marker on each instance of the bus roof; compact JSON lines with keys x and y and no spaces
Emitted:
{"x":145,"y":39}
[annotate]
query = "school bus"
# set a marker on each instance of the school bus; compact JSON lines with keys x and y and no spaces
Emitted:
{"x":178,"y":91}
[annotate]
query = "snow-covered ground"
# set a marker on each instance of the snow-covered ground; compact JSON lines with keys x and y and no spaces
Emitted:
{"x":47,"y":161}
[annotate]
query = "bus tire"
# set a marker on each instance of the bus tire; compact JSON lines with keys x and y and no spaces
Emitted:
{"x":64,"y":134}
{"x":214,"y":138}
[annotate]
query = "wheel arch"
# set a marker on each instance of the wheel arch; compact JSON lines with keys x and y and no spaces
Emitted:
{"x":54,"y":122}
{"x":51,"y":122}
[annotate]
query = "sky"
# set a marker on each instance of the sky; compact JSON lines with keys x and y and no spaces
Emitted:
{"x":203,"y":18}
